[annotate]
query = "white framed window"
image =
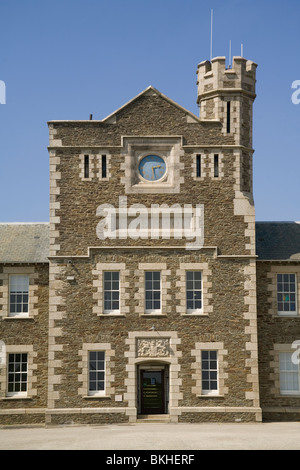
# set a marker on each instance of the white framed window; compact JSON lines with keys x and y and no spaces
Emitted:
{"x":17,"y":374}
{"x":289,"y":373}
{"x":111,"y":291}
{"x":193,"y":291}
{"x":152,"y":292}
{"x":18,"y":295}
{"x":209,"y":372}
{"x":96,"y":383}
{"x":287,"y":294}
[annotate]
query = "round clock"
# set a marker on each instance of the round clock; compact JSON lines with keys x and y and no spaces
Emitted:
{"x":152,"y":167}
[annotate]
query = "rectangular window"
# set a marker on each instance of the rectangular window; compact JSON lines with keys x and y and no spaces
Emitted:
{"x":289,"y":374}
{"x":17,"y":374}
{"x":216,"y":166}
{"x":111,"y":291}
{"x":209,"y":366}
{"x":286,"y":294}
{"x":103,"y":166}
{"x":228,"y":117}
{"x":198,"y":166}
{"x":96,"y":372}
{"x":18,"y":295}
{"x":152,"y":291}
{"x":86,"y":166}
{"x":193,"y":291}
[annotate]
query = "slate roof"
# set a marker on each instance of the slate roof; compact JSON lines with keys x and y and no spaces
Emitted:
{"x":24,"y":243}
{"x":278,"y":241}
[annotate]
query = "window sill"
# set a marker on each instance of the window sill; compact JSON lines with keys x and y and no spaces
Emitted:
{"x":15,"y":398}
{"x":288,"y":315}
{"x":289,"y":395}
{"x":153,"y":314}
{"x":94,"y":397}
{"x":111,"y":314}
{"x":212,"y":395}
{"x":20,"y":317}
{"x":194,"y":314}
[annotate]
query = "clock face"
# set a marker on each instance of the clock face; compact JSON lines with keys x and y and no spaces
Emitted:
{"x":152,"y":167}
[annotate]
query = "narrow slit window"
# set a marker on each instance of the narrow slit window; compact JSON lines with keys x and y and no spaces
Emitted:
{"x":103,"y":165}
{"x":198,"y":166}
{"x":216,"y":166}
{"x":86,"y":166}
{"x":228,"y":117}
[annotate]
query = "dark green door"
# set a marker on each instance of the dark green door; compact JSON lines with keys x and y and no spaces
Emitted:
{"x":152,"y":392}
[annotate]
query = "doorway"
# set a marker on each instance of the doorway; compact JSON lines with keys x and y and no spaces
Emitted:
{"x":153,"y":390}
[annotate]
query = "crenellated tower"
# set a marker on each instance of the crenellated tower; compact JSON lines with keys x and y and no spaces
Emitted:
{"x":227,"y":95}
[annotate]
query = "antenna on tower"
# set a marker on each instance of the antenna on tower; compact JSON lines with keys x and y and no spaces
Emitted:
{"x":229,"y":65}
{"x":242,"y":50}
{"x":211,"y":32}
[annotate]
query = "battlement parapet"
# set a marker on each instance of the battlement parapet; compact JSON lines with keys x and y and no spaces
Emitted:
{"x":213,"y":76}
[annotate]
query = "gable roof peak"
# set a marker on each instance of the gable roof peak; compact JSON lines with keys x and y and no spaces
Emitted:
{"x":151,"y":90}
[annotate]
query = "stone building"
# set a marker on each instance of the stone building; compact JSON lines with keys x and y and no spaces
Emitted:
{"x":152,"y":291}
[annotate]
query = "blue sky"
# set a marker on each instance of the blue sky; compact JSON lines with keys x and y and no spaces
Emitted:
{"x":68,"y":59}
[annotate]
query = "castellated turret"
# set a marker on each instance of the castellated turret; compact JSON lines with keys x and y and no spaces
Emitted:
{"x":227,"y":95}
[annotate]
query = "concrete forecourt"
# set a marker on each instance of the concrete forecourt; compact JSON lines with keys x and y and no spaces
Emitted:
{"x":155,"y":436}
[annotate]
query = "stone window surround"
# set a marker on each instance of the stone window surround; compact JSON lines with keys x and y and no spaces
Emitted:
{"x":98,"y":284}
{"x":165,"y":287}
{"x":207,"y":164}
{"x":168,"y":147}
{"x":272,"y":289}
{"x":222,"y":364}
{"x":33,"y":299}
{"x":83,"y":377}
{"x":274,"y":365}
{"x":181,"y":288}
{"x":31,"y":378}
{"x":95,"y":162}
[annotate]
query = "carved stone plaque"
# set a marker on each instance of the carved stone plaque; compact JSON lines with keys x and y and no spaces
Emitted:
{"x":153,"y":347}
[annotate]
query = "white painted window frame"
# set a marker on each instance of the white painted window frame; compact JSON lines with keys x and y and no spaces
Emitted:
{"x":194,"y":310}
{"x":20,"y":393}
{"x":111,"y":311}
{"x":154,"y":311}
{"x":96,"y":392}
{"x":210,"y":391}
{"x":284,"y":392}
{"x":22,"y":313}
{"x":290,"y":313}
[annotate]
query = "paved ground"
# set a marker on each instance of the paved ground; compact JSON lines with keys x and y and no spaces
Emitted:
{"x":150,"y":436}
